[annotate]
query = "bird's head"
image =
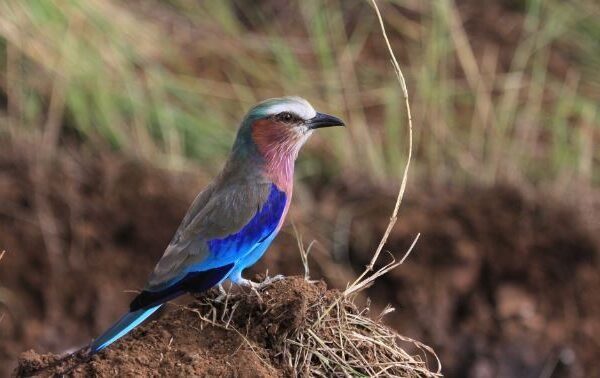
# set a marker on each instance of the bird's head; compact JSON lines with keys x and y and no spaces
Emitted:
{"x":277,"y":128}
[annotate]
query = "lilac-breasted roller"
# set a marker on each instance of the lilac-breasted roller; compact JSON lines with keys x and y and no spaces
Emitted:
{"x":232,"y":222}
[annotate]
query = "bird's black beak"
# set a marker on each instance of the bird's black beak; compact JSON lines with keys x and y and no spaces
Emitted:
{"x":324,"y":120}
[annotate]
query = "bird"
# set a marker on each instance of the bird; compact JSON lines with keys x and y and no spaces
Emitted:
{"x":231,"y":223}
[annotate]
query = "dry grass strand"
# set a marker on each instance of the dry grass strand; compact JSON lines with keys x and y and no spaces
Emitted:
{"x":335,"y":338}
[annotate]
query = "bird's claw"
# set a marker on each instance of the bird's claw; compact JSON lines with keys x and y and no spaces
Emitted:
{"x":270,"y":280}
{"x":223,"y":294}
{"x":264,"y":283}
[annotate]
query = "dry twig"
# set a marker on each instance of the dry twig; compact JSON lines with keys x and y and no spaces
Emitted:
{"x":337,"y":338}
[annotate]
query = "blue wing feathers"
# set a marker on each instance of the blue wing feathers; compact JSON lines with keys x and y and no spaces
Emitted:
{"x":260,"y":227}
{"x":254,"y":236}
{"x":193,"y":281}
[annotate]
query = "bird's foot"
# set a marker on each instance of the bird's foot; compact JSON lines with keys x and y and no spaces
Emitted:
{"x":260,"y":285}
{"x":247,"y":283}
{"x":223,"y":294}
{"x":256,"y":286}
{"x":270,"y":280}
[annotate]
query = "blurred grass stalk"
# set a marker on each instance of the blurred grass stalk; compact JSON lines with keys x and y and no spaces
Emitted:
{"x":168,"y":82}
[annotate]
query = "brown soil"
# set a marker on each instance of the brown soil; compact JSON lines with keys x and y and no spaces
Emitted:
{"x":181,"y":344}
{"x":247,"y":335}
{"x":501,"y":283}
{"x":111,"y":219}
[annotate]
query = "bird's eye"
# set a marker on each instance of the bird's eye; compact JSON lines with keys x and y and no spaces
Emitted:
{"x":285,"y":117}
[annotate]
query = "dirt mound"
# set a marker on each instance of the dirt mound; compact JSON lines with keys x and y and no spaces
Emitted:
{"x":262,"y":334}
{"x":500,"y":283}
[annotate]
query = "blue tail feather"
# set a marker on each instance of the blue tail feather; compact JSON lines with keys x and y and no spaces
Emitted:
{"x":121,"y":328}
{"x":147,"y":302}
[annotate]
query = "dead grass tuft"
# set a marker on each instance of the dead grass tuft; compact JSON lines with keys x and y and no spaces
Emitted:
{"x":311,"y":331}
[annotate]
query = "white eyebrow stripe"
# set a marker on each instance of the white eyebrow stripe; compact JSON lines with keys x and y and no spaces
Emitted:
{"x":295,"y":105}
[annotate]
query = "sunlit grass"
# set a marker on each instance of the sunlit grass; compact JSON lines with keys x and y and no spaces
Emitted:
{"x":169,"y":82}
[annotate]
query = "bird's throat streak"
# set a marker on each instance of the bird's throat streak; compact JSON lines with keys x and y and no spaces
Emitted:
{"x":279,"y":145}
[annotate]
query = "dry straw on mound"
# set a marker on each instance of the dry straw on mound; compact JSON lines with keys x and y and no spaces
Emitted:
{"x":293,"y":327}
{"x":303,"y":329}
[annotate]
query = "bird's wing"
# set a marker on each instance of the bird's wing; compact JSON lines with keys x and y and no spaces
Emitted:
{"x":219,"y":230}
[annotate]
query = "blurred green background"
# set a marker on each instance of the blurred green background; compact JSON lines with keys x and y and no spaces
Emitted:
{"x":496,"y":94}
